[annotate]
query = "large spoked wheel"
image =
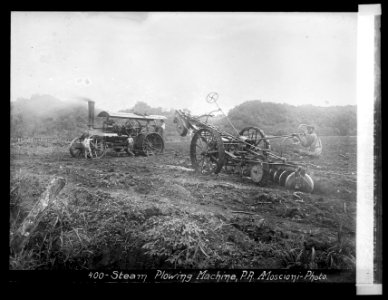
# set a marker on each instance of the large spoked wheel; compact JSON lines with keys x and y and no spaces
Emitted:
{"x":97,"y":147}
{"x":76,"y":148}
{"x":300,"y":182}
{"x":256,"y":137}
{"x":152,"y":144}
{"x":207,"y":151}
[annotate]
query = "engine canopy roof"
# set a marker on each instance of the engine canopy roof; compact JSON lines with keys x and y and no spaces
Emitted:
{"x":105,"y":114}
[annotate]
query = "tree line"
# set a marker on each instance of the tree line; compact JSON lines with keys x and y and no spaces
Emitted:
{"x":45,"y":115}
{"x":279,"y":118}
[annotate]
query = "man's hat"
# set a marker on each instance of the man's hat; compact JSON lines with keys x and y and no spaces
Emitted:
{"x":307,"y":126}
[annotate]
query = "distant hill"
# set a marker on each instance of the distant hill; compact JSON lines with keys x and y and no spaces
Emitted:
{"x":47,"y":115}
{"x":275,"y":118}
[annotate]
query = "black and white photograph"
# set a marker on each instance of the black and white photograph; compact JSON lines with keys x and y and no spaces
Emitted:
{"x":190,"y":147}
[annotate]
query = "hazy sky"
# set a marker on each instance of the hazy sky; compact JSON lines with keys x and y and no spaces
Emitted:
{"x":174,"y":60}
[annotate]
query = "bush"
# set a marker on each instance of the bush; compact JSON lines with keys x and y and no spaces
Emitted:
{"x":180,"y":242}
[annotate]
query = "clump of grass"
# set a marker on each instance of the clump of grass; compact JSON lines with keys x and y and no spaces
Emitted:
{"x":341,"y":254}
{"x":337,"y":255}
{"x":23,"y":260}
{"x":292,"y":258}
{"x":179,"y":241}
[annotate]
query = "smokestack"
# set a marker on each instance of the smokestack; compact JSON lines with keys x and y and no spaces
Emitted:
{"x":91,"y":114}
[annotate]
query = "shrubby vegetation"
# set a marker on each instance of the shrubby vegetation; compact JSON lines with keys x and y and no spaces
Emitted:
{"x":45,"y":115}
{"x":275,"y":118}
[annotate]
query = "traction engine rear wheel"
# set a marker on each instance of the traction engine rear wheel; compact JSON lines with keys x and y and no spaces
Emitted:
{"x":152,"y":144}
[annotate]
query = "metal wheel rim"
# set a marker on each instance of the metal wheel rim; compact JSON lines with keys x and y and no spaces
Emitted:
{"x":207,"y":152}
{"x":97,"y":146}
{"x":256,"y":134}
{"x":76,"y":152}
{"x":150,"y":147}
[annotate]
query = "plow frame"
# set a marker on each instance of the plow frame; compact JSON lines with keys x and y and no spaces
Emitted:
{"x":252,"y":157}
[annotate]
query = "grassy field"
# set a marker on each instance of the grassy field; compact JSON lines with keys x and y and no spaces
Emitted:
{"x":139,"y":213}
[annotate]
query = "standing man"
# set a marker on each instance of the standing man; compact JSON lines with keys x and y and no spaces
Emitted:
{"x":311,"y":141}
{"x":162,"y":127}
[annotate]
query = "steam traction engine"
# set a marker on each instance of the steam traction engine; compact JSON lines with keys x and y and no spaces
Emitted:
{"x":133,"y":133}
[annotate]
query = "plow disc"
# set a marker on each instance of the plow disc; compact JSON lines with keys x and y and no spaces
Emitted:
{"x":283,"y":176}
{"x":277,"y":175}
{"x":300,"y":182}
{"x":296,"y":180}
